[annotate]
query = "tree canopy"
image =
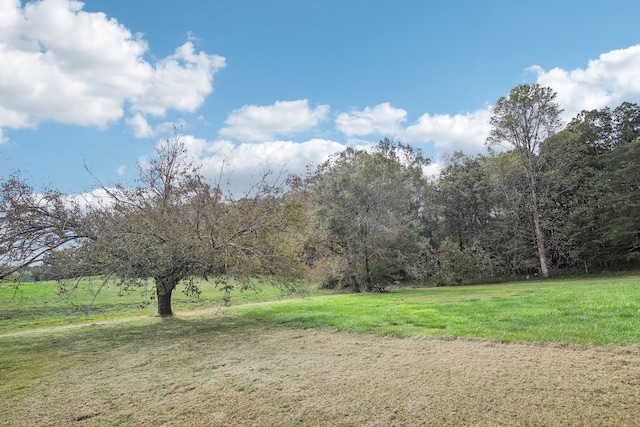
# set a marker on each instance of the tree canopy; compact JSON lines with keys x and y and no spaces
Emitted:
{"x":522,"y":121}
{"x":368,"y":205}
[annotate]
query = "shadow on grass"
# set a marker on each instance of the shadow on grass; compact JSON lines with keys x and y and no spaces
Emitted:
{"x":138,"y":333}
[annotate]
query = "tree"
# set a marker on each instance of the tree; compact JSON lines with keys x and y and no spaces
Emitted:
{"x":521,"y":121}
{"x":626,"y":122}
{"x":34,"y":224}
{"x":171,"y":227}
{"x":465,"y":199}
{"x":589,"y":177}
{"x":509,"y":240}
{"x":623,"y":176}
{"x":574,"y":186}
{"x":368,"y":206}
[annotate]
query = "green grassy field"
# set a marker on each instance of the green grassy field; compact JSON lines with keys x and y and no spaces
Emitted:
{"x":597,"y":311}
{"x":38,"y":305}
{"x":326,"y":359}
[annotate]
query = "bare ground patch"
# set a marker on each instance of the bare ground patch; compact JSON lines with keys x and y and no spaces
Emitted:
{"x":230,"y":374}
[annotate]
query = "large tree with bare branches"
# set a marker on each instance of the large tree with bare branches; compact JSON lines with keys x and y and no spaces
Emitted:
{"x":171,"y":227}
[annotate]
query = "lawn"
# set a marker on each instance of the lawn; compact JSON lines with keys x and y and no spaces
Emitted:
{"x":590,"y":311}
{"x":41,"y":304}
{"x":550,"y":353}
{"x":598,"y":311}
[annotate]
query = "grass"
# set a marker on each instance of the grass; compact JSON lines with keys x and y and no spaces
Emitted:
{"x":601,"y":311}
{"x":595,"y":311}
{"x":271,"y":361}
{"x":40,"y":305}
{"x":590,"y":311}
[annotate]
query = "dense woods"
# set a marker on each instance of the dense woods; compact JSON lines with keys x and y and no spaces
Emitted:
{"x":552,"y":200}
{"x":546,"y":200}
{"x":587,"y":188}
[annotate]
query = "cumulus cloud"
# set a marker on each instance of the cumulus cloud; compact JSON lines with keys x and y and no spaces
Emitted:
{"x":433,"y":169}
{"x":66,"y":65}
{"x":464,"y":132}
{"x":609,"y":80}
{"x":242,"y":163}
{"x":95,"y":198}
{"x":140,"y":126}
{"x":180,"y":82}
{"x":292,"y":156}
{"x":381,"y":119}
{"x":260,"y":123}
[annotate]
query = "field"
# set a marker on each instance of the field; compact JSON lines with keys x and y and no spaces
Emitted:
{"x":534,"y":353}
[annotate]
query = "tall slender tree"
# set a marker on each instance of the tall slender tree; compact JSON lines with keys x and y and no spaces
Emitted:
{"x":521,"y":121}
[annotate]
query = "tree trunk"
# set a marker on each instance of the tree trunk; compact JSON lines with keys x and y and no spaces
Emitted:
{"x":367,"y":271}
{"x":541,"y":247}
{"x":542,"y":253}
{"x":355,"y":286}
{"x":164,"y":289}
{"x":164,"y":305}
{"x":353,"y":282}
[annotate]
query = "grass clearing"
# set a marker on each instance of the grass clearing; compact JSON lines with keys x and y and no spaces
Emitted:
{"x":341,"y":360}
{"x":602,"y":311}
{"x":39,"y":305}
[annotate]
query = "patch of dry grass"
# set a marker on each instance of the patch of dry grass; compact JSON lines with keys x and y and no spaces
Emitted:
{"x":220,"y":370}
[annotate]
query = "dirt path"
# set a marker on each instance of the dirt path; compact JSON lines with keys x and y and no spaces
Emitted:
{"x":275,"y":376}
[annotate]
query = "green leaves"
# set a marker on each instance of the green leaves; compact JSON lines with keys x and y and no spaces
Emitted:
{"x":368,"y":206}
{"x":525,"y":118}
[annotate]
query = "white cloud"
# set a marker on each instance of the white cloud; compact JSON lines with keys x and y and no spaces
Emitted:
{"x":241,"y":164}
{"x":180,"y":82}
{"x":96,"y":198}
{"x":121,"y":170}
{"x":292,"y":156}
{"x":432,"y":170}
{"x":381,"y":119}
{"x":253,"y":123}
{"x":63,"y":64}
{"x":463,"y":132}
{"x":607,"y":81}
{"x":140,"y":126}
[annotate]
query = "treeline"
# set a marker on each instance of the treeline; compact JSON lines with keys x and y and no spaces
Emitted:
{"x":550,"y":200}
{"x":588,"y":187}
{"x":381,"y":221}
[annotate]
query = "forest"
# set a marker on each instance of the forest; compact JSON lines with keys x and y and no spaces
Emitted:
{"x":548,"y":199}
{"x":544,"y":200}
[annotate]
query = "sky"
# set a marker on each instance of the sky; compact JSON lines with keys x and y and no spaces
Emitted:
{"x":87,"y":89}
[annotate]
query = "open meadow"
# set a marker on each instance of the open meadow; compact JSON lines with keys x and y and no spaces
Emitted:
{"x":561,"y":352}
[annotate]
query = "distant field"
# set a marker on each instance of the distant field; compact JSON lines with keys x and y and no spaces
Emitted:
{"x":547,"y":353}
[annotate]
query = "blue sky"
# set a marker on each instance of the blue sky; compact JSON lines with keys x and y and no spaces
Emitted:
{"x":285,"y":83}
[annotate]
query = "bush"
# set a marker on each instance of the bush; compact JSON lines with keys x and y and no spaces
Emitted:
{"x":451,"y":265}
